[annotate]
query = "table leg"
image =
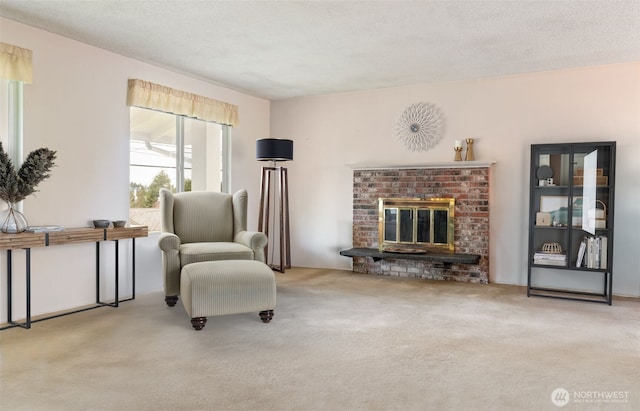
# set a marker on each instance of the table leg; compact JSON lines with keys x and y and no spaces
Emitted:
{"x":98,"y":272}
{"x":27,"y":323}
{"x":133,"y":268}
{"x":117,"y":300}
{"x":28,"y":284}
{"x":9,"y":287}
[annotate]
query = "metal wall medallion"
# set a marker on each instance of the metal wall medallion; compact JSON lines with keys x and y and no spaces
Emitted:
{"x":420,"y":126}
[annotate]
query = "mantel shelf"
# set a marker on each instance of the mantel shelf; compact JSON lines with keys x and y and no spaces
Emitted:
{"x":449,"y":164}
{"x":442,"y":257}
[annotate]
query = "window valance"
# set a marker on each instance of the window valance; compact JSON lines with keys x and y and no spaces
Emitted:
{"x":154,"y":96}
{"x":16,"y":63}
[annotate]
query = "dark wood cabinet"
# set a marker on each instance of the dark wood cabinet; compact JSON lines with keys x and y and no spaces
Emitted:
{"x":571,"y":210}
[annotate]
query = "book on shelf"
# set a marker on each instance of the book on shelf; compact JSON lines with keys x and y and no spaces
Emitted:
{"x":550,"y":256}
{"x":592,"y":252}
{"x":559,"y":263}
{"x":556,"y":259}
{"x":581,"y":250}
{"x":603,"y":251}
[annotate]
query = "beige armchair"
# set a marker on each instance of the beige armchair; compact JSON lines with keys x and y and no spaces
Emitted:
{"x":204,"y":226}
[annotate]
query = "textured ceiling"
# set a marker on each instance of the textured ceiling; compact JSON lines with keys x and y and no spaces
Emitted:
{"x":283,"y":49}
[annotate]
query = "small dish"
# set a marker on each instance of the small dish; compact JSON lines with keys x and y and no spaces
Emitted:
{"x":119,"y":223}
{"x":101,"y":223}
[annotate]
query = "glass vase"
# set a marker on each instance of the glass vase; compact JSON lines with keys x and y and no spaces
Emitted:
{"x":12,"y":221}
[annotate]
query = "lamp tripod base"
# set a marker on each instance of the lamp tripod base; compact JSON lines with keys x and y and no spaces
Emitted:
{"x":280,"y":204}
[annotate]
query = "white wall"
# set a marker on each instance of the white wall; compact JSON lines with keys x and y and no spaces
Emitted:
{"x":505,"y":115}
{"x":77,"y":106}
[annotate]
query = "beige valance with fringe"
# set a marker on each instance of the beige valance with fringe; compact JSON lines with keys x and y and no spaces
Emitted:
{"x":16,"y":63}
{"x":154,"y":96}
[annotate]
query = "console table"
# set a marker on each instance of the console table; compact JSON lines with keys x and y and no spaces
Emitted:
{"x":27,"y":241}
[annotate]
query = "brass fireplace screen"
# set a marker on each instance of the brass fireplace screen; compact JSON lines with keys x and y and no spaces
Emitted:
{"x":415,"y":224}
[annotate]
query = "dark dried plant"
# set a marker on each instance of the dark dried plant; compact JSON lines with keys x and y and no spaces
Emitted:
{"x":16,"y":186}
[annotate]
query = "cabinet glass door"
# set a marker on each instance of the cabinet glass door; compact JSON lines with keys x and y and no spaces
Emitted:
{"x":589,"y":192}
{"x":551,"y":211}
{"x":592,"y":195}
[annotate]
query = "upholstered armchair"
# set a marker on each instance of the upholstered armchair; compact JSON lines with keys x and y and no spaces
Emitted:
{"x":204,"y":226}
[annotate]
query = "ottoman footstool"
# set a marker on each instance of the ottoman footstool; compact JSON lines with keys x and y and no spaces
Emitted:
{"x":227,"y":287}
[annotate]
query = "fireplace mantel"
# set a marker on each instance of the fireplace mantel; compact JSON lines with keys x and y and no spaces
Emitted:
{"x":445,"y":258}
{"x":449,"y":164}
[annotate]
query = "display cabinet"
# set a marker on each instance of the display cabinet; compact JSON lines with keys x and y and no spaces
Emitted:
{"x":571,"y":210}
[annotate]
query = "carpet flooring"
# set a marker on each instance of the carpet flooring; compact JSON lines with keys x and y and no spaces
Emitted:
{"x":338,"y":341}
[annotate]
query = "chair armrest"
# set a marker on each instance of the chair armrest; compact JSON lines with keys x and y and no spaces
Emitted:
{"x":255,"y":240}
{"x":168,"y":242}
{"x":170,"y":245}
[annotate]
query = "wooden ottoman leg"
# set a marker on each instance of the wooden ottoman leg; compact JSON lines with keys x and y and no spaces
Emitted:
{"x":171,"y":300}
{"x":198,"y":322}
{"x":266,"y":316}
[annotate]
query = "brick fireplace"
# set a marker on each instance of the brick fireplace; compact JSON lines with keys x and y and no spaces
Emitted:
{"x":467,"y":183}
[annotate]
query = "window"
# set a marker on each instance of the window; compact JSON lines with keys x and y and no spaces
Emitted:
{"x":174,"y":152}
{"x":4,"y":112}
{"x":16,"y":68}
{"x":11,"y":109}
{"x":11,"y":118}
{"x":180,"y":141}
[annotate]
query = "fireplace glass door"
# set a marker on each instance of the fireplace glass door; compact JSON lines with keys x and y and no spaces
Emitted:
{"x":406,"y":225}
{"x":391,"y":224}
{"x":416,"y":224}
{"x":424,"y":226}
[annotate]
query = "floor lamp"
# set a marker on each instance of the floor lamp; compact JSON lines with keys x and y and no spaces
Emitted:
{"x":274,"y":179}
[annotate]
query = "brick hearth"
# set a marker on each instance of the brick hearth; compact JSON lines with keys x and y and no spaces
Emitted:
{"x":469,"y":187}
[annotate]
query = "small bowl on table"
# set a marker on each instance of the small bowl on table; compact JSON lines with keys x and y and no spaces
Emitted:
{"x":101,"y":223}
{"x":119,"y":223}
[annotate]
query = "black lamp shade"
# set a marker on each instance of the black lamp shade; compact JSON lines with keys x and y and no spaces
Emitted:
{"x":274,"y":149}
